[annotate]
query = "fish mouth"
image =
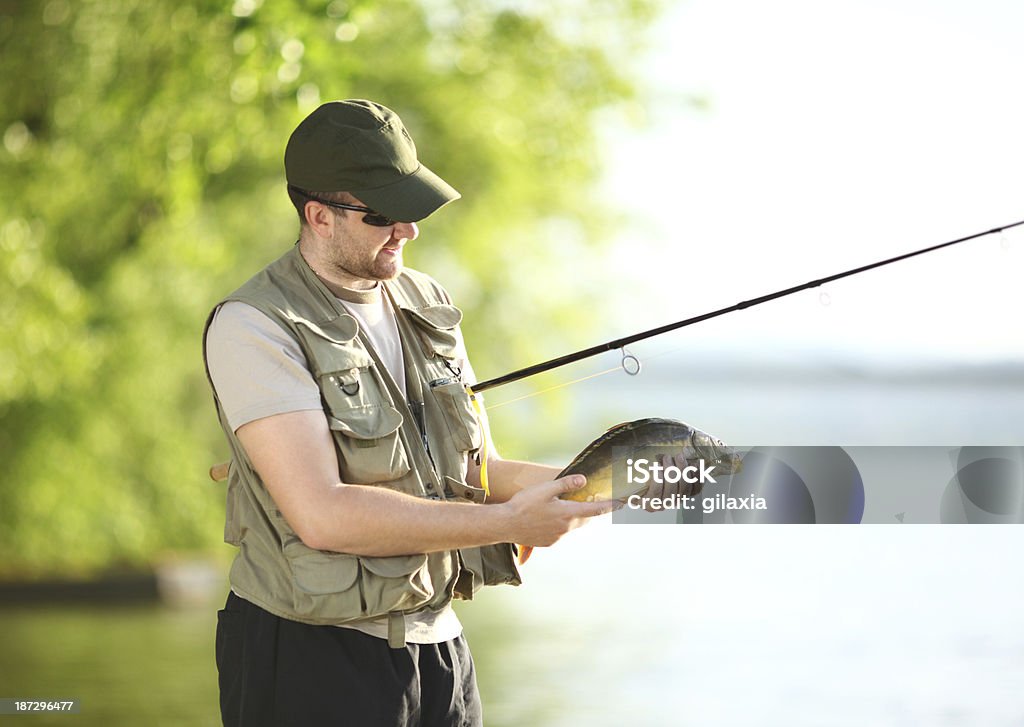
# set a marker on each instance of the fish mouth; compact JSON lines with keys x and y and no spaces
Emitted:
{"x":735,"y":464}
{"x":729,"y":462}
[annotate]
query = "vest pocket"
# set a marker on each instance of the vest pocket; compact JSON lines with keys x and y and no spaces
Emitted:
{"x":369,"y":446}
{"x":436,"y":327}
{"x":490,"y":565}
{"x":396,"y":583}
{"x":358,"y":586}
{"x":460,"y":414}
{"x":499,"y":565}
{"x":321,"y":578}
{"x":343,"y":368}
{"x":359,"y":411}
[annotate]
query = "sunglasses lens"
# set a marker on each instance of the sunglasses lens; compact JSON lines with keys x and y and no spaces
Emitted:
{"x":377,"y":220}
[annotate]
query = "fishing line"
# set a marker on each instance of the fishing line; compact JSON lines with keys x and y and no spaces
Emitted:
{"x":492,"y":407}
{"x":621,"y":343}
{"x":630,"y":365}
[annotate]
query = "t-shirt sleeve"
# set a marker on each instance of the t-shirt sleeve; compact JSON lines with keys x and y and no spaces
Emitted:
{"x":257,"y":368}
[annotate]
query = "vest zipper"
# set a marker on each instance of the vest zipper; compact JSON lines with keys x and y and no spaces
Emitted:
{"x":417,"y":407}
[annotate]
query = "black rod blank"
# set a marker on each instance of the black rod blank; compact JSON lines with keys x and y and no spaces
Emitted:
{"x":620,"y":342}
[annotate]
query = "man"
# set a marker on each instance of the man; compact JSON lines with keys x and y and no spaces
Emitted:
{"x":355,"y":493}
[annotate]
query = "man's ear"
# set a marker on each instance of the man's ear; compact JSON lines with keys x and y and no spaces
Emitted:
{"x":319,"y":218}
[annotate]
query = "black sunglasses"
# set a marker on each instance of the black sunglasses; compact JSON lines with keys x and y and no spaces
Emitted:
{"x":370,"y":218}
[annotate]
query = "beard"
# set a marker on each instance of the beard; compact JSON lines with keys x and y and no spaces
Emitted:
{"x":367,"y":264}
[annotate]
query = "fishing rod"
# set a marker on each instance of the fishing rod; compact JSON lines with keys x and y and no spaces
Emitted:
{"x":621,"y":343}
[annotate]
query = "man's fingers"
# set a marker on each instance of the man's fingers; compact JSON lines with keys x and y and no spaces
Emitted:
{"x":578,"y":509}
{"x":594,"y":508}
{"x":582,"y":509}
{"x":566,"y":484}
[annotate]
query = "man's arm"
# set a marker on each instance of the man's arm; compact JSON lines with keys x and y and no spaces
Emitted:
{"x":295,"y":457}
{"x":506,"y":477}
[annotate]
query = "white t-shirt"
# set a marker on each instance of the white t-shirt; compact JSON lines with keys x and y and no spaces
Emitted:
{"x":259,"y":370}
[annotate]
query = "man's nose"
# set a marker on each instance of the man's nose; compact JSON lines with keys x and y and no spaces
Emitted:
{"x":406,"y":230}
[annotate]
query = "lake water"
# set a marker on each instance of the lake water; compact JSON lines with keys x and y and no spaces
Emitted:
{"x":764,"y":625}
{"x":129,"y":665}
{"x":639,"y":625}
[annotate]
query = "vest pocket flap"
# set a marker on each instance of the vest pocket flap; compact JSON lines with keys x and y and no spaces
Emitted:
{"x":367,"y":422}
{"x":394,"y":566}
{"x":436,"y":328}
{"x":330,"y":352}
{"x":336,"y":330}
{"x":437,"y":316}
{"x":319,"y":573}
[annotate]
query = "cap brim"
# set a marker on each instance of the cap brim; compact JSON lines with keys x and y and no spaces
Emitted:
{"x":411,"y":198}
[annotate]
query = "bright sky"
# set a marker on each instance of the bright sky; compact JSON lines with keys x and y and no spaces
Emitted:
{"x":836,"y":134}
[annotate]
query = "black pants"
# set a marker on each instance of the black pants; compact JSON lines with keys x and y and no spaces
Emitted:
{"x":279,"y":672}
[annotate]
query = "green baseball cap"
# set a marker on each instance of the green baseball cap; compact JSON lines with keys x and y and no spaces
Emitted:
{"x":362,"y":148}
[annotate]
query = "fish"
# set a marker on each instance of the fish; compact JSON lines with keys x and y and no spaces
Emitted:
{"x":597,"y":460}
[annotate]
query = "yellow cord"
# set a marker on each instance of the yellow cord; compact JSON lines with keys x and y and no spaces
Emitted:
{"x":483,"y":440}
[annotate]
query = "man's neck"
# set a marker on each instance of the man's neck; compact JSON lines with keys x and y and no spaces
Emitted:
{"x":342,"y":284}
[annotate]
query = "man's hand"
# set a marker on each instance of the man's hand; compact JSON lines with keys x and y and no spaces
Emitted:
{"x":538,"y":518}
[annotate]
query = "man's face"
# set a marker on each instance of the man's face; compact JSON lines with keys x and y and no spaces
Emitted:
{"x":366,"y":252}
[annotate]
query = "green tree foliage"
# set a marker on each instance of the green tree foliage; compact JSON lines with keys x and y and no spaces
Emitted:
{"x":141,"y":180}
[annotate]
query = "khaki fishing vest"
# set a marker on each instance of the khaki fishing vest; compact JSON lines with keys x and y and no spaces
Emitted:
{"x":413,"y":441}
